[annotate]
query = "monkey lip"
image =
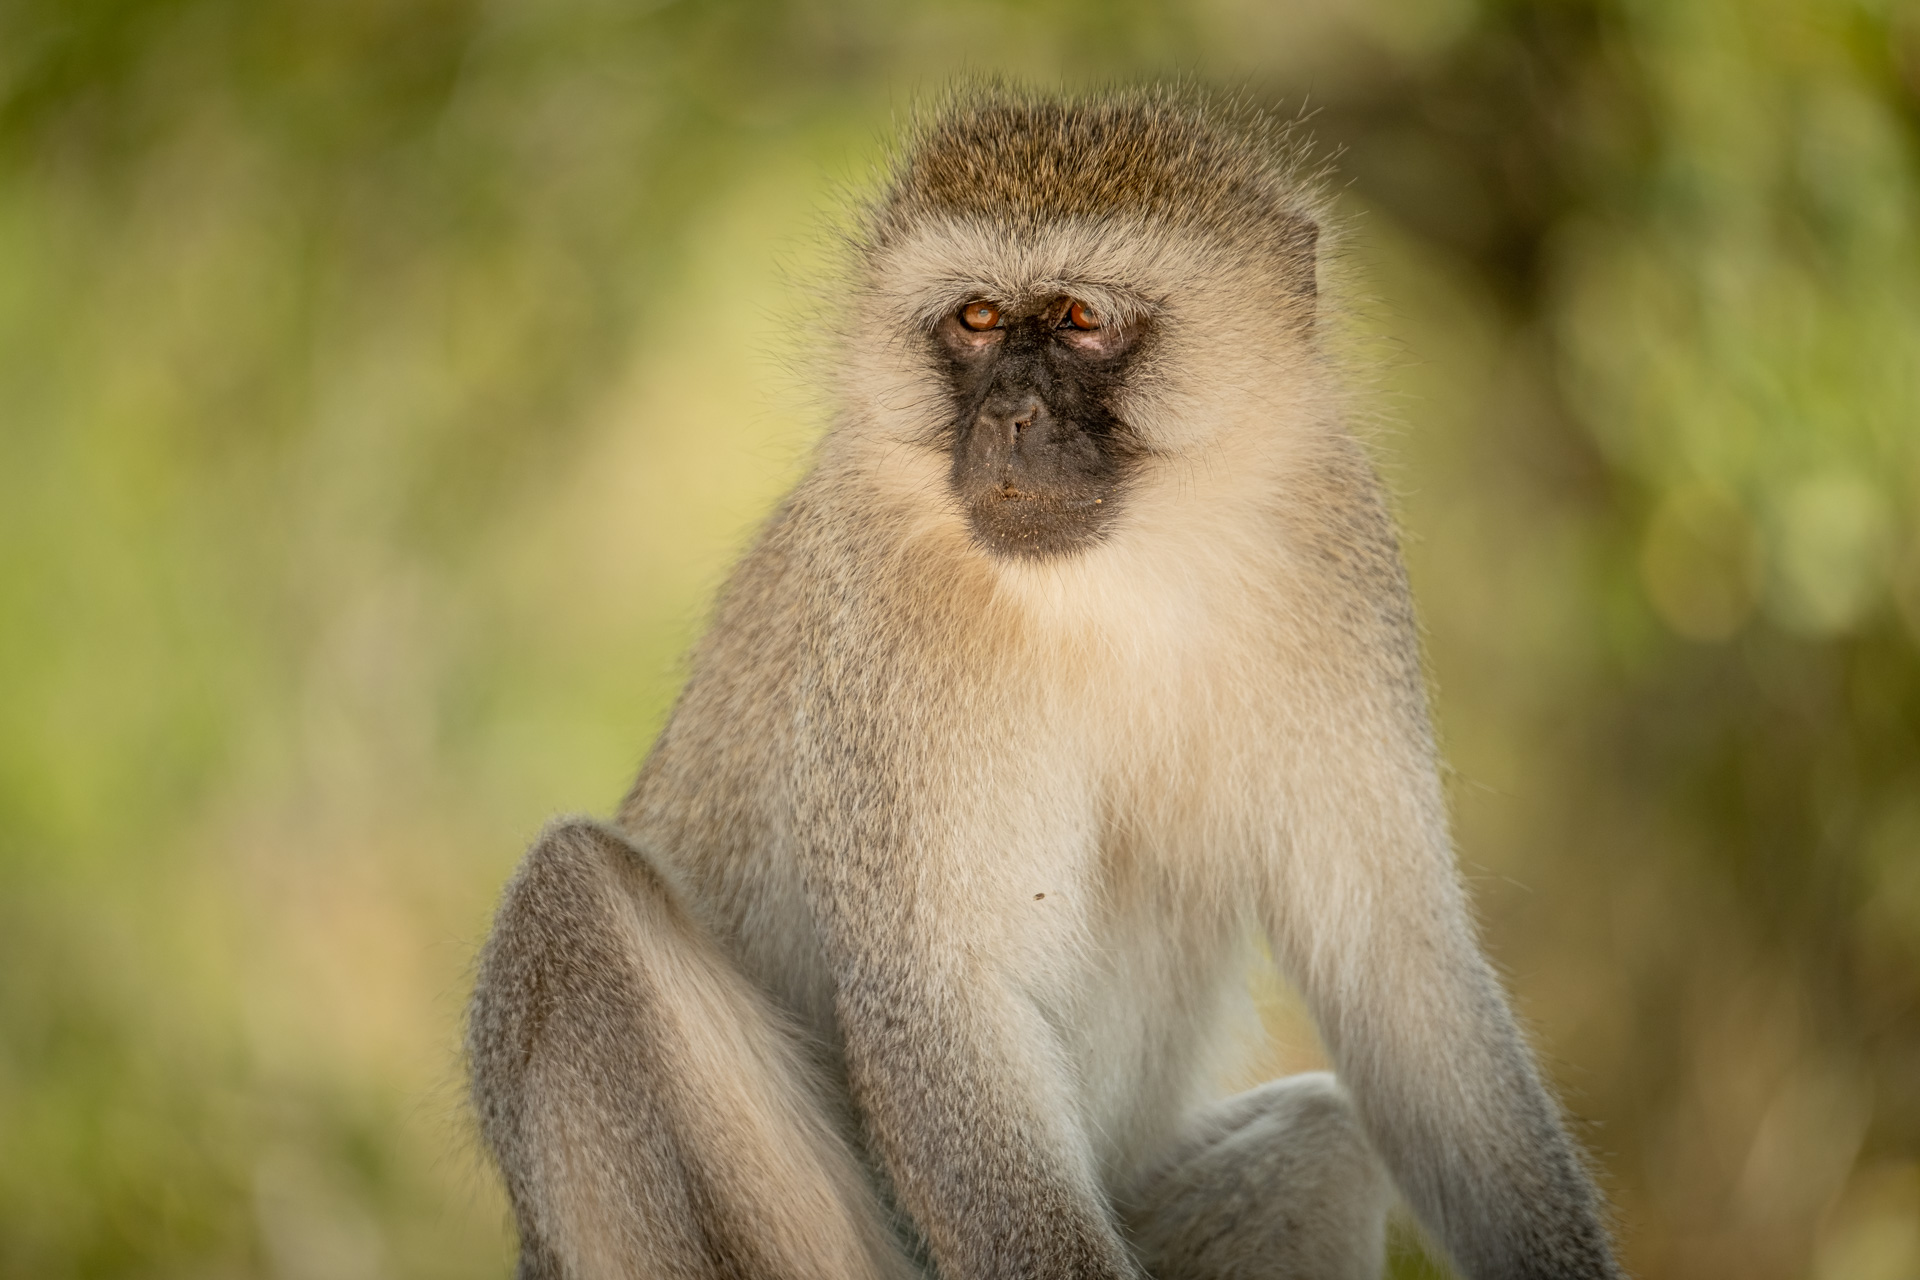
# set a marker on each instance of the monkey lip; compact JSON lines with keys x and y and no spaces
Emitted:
{"x":1009,"y":492}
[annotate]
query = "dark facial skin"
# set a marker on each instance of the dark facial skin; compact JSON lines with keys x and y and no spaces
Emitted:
{"x":1040,"y":460}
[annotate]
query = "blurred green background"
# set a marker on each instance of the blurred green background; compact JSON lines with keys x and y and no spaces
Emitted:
{"x":384,"y":388}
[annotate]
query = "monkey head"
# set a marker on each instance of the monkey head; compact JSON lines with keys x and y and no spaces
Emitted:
{"x":1038,"y":349}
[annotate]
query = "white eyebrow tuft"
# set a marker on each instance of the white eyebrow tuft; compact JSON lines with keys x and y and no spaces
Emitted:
{"x":954,"y":261}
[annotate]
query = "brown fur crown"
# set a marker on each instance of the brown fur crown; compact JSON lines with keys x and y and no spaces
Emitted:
{"x":1030,"y":160}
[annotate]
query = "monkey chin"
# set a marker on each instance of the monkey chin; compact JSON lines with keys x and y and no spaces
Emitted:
{"x":1039,"y":524}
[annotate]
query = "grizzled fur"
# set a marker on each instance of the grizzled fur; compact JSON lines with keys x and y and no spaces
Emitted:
{"x":1155,"y":155}
{"x":920,"y":944}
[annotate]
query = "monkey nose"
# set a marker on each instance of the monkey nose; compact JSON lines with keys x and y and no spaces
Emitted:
{"x":1014,"y":418}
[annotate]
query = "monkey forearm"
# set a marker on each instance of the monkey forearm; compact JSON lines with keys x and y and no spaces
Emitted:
{"x":1458,"y":1109}
{"x":977,"y":1139}
{"x":1368,"y":916}
{"x":1450,"y":1096}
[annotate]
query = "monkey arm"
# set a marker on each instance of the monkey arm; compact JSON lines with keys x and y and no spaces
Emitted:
{"x":965,"y":1100}
{"x":964,"y":1095}
{"x":973,"y":1124}
{"x":1366,"y":913}
{"x":1369,"y":919}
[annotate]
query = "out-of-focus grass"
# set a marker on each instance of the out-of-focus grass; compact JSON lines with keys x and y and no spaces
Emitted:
{"x":384,"y":388}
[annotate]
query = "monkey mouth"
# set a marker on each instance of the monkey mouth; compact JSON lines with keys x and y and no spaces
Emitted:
{"x":1037,"y":522}
{"x":1011,"y":492}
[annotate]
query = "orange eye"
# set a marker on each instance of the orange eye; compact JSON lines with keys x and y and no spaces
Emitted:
{"x":1081,"y":318}
{"x":979,"y":315}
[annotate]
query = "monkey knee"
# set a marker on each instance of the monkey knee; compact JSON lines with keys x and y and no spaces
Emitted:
{"x":1313,"y":1119}
{"x":1281,"y":1183}
{"x":567,"y":879}
{"x":554,"y":962}
{"x":1310,"y":1115}
{"x":1314,"y":1110}
{"x":566,"y":908}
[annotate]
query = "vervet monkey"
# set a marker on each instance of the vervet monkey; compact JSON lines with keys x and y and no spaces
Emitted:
{"x":1080,"y":661}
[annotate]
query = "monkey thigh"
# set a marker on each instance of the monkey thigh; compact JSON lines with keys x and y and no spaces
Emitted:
{"x":650,"y":1113}
{"x":1278,"y":1182}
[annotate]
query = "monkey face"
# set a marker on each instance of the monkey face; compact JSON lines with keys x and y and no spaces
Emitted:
{"x":1040,"y":460}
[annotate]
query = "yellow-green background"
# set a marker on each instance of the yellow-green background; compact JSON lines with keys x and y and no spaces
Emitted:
{"x":384,"y":388}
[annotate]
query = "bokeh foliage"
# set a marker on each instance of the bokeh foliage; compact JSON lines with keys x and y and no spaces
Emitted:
{"x":384,"y":387}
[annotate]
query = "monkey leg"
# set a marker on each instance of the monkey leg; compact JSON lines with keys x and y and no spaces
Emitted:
{"x":651,"y":1114}
{"x":1277,"y":1183}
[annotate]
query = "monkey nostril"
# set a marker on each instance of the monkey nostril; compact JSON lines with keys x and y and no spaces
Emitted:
{"x":1024,"y":418}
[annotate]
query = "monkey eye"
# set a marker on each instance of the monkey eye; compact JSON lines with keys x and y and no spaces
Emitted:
{"x":979,"y":315}
{"x":1081,"y":317}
